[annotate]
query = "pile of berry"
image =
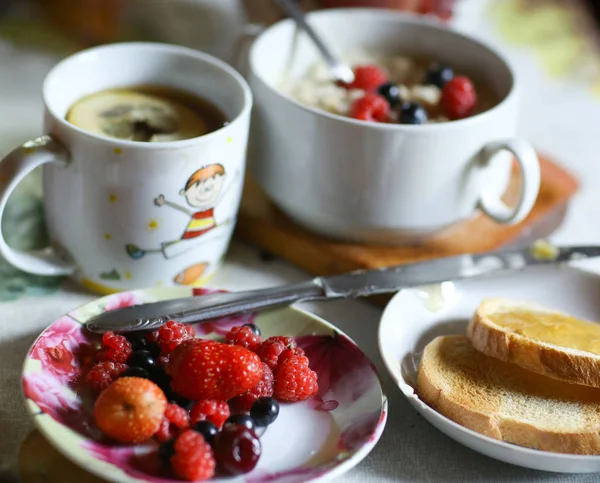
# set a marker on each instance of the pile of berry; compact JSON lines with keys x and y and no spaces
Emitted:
{"x":201,"y":399}
{"x":382,"y":101}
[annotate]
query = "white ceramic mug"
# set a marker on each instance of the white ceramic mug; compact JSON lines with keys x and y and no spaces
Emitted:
{"x":389,"y":183}
{"x":125,"y":214}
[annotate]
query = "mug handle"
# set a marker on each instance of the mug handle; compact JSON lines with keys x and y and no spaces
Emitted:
{"x":13,"y":168}
{"x":529,"y":165}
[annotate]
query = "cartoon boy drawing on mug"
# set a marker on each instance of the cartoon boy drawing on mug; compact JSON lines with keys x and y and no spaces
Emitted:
{"x":203,"y":191}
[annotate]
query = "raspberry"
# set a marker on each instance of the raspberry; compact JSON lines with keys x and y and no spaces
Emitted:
{"x":370,"y":107}
{"x":243,"y":336}
{"x":368,"y":78}
{"x":193,"y":459}
{"x":212,"y":410}
{"x":166,"y":431}
{"x":273,"y":348}
{"x":178,"y":416}
{"x":114,"y":348}
{"x":289,"y":352}
{"x":458,"y":98}
{"x":264,"y":388}
{"x":172,"y":334}
{"x":175,"y":418}
{"x":294,"y":380}
{"x":102,"y":374}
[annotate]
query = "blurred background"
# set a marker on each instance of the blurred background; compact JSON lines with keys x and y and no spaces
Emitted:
{"x":553,"y":44}
{"x":81,"y":23}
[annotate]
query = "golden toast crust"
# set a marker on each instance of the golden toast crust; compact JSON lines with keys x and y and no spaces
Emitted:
{"x":562,"y":363}
{"x":443,"y":388}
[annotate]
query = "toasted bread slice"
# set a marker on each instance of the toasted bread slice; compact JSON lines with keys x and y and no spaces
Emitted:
{"x":539,"y":339}
{"x":506,"y":402}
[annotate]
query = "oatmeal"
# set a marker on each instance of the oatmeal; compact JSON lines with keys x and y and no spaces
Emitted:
{"x":391,"y":89}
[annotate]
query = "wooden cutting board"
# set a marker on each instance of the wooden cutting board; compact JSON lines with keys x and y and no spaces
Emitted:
{"x":261,"y":224}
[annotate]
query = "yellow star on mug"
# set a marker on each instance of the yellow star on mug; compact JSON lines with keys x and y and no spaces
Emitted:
{"x":152,"y":224}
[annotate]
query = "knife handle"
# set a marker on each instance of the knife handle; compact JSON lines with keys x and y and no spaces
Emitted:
{"x":198,"y":309}
{"x":253,"y":300}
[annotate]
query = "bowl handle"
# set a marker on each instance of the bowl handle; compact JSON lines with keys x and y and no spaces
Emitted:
{"x":529,"y":165}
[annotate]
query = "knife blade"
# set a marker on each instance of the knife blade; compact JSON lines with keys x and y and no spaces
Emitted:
{"x":360,"y":283}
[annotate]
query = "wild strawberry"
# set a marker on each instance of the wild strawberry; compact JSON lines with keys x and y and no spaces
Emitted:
{"x":102,"y":374}
{"x":115,"y":348}
{"x":264,"y":388}
{"x":193,"y":459}
{"x":294,"y":380}
{"x":130,"y":410}
{"x":171,"y":334}
{"x":368,"y":78}
{"x":458,"y":98}
{"x":212,"y":370}
{"x":370,"y":107}
{"x":211,"y":410}
{"x":243,"y":336}
{"x":273,"y":350}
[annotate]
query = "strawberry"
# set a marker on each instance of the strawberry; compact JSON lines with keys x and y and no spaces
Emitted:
{"x":130,"y":410}
{"x":211,"y":370}
{"x":264,"y":388}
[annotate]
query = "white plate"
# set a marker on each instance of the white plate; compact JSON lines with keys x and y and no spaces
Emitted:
{"x":316,"y":440}
{"x":415,"y":317}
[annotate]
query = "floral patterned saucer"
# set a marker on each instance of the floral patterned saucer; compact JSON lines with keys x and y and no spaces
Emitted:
{"x":316,"y":440}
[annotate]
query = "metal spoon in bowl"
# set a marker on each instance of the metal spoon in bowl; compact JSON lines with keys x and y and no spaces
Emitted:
{"x":339,"y":70}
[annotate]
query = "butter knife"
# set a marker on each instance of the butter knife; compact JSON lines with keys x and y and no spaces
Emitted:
{"x":355,"y":284}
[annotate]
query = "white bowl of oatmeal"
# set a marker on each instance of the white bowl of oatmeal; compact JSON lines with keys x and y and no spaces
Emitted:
{"x":416,"y":90}
{"x":381,"y":177}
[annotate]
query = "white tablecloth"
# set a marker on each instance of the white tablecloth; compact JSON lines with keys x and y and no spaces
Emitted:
{"x":558,"y":117}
